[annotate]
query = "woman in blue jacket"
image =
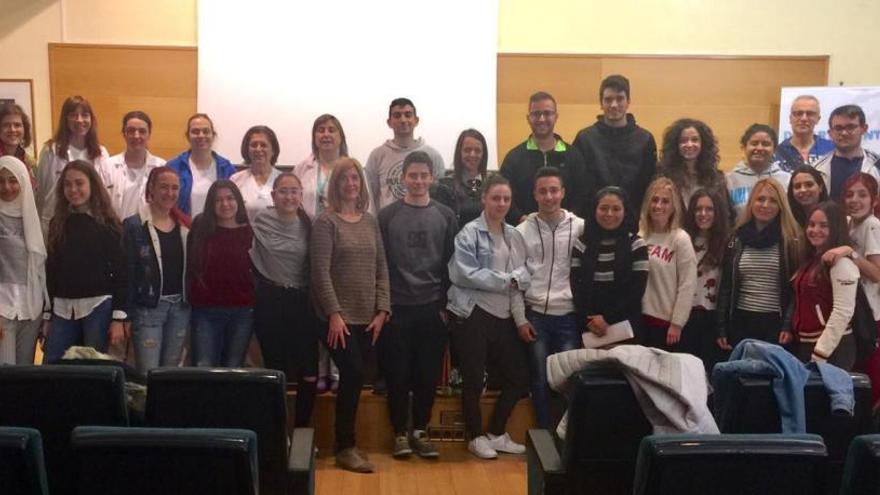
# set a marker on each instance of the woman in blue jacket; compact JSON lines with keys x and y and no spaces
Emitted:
{"x":155,"y":246}
{"x":488,"y":275}
{"x":199,"y":166}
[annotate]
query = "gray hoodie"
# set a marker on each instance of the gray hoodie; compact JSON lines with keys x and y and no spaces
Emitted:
{"x":742,"y":179}
{"x":384,"y":170}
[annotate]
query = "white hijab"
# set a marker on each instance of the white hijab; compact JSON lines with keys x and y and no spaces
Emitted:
{"x":25,"y":207}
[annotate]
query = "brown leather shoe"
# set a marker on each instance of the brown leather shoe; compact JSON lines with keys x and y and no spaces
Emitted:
{"x":351,"y":460}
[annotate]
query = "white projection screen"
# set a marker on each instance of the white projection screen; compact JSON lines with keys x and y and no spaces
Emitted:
{"x":283,"y":63}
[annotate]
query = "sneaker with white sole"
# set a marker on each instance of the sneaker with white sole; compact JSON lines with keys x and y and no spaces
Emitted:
{"x":401,"y":447}
{"x":503,"y":443}
{"x":482,"y":448}
{"x":422,"y":445}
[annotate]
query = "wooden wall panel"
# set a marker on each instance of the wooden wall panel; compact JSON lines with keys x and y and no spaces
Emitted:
{"x":729,"y":93}
{"x":162,"y":81}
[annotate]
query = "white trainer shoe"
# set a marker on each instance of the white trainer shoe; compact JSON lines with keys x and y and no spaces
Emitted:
{"x":482,"y":448}
{"x":504,"y":443}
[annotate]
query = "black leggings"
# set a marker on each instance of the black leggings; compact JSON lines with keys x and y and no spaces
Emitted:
{"x":483,"y":338}
{"x":285,"y":328}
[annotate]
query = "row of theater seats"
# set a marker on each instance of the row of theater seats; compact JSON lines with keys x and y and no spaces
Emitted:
{"x":137,"y":461}
{"x":184,"y":408}
{"x":609,"y":448}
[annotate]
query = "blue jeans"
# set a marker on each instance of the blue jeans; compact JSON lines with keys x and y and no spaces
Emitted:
{"x":158,"y":333}
{"x":90,"y":331}
{"x":554,"y":334}
{"x":220,"y":335}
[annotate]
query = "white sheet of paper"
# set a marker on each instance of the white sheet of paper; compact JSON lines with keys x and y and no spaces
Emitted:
{"x":617,"y":332}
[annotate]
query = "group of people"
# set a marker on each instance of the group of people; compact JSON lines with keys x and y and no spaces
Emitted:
{"x":504,"y":269}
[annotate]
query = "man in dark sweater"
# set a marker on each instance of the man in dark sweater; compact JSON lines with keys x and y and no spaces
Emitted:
{"x":544,"y":148}
{"x":418,"y":234}
{"x":617,"y":152}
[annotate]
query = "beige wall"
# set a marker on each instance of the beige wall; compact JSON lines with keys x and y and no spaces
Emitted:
{"x":844,"y":30}
{"x":28,"y":26}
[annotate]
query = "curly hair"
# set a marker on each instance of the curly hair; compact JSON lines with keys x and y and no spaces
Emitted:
{"x":13,"y":109}
{"x":672,"y":164}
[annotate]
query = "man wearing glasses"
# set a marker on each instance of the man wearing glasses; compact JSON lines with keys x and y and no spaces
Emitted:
{"x":544,"y":148}
{"x":847,"y":126}
{"x":803,"y":147}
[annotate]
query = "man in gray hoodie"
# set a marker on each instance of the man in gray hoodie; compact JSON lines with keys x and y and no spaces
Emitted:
{"x":385,"y":163}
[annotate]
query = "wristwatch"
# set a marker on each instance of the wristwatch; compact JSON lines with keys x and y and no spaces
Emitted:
{"x":853,"y":255}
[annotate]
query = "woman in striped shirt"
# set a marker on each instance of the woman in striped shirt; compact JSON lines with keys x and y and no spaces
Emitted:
{"x":609,"y":266}
{"x":764,"y":250}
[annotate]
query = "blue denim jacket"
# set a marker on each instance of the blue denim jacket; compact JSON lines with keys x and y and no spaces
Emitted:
{"x":788,"y":376}
{"x":470,"y":269}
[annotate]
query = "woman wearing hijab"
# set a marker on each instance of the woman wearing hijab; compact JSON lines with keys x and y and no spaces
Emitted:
{"x":22,"y":265}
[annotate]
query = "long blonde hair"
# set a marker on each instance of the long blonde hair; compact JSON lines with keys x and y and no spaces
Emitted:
{"x":793,"y":246}
{"x":646,"y":227}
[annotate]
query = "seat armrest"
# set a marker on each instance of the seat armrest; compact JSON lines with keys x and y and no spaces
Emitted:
{"x":301,"y":462}
{"x":546,"y":474}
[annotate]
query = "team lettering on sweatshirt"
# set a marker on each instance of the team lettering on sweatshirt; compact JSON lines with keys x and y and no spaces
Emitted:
{"x":661,"y":252}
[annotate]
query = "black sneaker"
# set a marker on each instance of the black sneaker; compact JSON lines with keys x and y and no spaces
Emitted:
{"x":401,"y":447}
{"x":422,"y":446}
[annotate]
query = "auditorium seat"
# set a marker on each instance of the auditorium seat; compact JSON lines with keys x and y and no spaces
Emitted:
{"x":753,"y":409}
{"x":55,"y":399}
{"x":731,"y":465}
{"x":22,"y":470}
{"x":605,"y":426}
{"x":179,"y":461}
{"x":252,"y":399}
{"x":861,"y":473}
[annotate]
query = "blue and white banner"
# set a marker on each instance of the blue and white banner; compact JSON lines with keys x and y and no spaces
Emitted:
{"x":830,"y":97}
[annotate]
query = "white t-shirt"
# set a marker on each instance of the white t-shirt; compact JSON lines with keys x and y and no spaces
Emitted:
{"x":866,"y":237}
{"x":202,"y":180}
{"x":256,"y":197}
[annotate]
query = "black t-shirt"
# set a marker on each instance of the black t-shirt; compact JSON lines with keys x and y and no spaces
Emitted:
{"x":172,"y":261}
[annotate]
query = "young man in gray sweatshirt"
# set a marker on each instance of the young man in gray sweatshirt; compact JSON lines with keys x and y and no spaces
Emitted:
{"x":384,"y":165}
{"x":418,"y":234}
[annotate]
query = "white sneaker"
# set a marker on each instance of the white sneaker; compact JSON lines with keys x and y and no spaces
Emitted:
{"x":505,"y":444}
{"x":482,"y":448}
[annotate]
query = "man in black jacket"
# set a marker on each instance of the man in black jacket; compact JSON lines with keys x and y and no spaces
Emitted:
{"x":544,"y":148}
{"x":617,"y":152}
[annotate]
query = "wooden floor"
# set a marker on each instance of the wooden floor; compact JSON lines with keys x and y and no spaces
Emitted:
{"x":456,"y":472}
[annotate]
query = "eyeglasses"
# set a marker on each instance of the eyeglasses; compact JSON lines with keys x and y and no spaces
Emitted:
{"x":848,"y":129}
{"x":537,"y":114}
{"x":804,"y":113}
